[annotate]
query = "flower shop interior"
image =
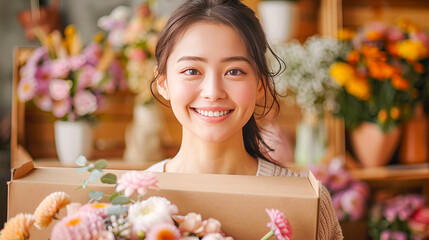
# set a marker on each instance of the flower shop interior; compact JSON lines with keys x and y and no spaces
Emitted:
{"x":354,"y":98}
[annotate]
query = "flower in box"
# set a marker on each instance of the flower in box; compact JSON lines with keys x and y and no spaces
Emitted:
{"x":399,"y":217}
{"x":68,"y":80}
{"x":383,"y":75}
{"x":349,"y":196}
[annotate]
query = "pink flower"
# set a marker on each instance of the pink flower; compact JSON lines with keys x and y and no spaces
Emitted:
{"x":353,"y":204}
{"x":43,"y":101}
{"x":93,"y":53}
{"x":26,"y":89}
{"x":163,"y":231}
{"x":137,"y":54}
{"x":390,"y":213}
{"x":211,"y":225}
{"x":77,"y":61}
{"x":61,"y":108}
{"x":84,"y":103}
{"x":390,"y":235}
{"x":37,"y":55}
{"x":395,"y":34}
{"x":339,"y":180}
{"x":82,"y":225}
{"x":105,"y":235}
{"x":60,"y":68}
{"x":421,"y":37}
{"x":136,"y":181}
{"x":43,"y":76}
{"x":361,"y":187}
{"x":191,"y":223}
{"x":279,"y":225}
{"x":321,"y":173}
{"x":59,"y":89}
{"x":85,"y":77}
{"x":99,"y":209}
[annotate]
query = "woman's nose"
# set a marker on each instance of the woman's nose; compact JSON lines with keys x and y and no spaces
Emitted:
{"x":212,"y":87}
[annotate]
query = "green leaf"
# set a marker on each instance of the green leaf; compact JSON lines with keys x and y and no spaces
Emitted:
{"x":78,"y":187}
{"x":100,"y":164}
{"x":108,"y":178}
{"x":121,"y":200}
{"x":81,"y":161}
{"x":116,"y":210}
{"x":95,"y":174}
{"x":113,"y":196}
{"x":95,"y":195}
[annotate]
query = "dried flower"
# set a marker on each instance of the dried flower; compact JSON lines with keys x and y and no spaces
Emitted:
{"x":17,"y":227}
{"x":49,"y":207}
{"x":136,"y":181}
{"x":82,"y":225}
{"x":164,"y":231}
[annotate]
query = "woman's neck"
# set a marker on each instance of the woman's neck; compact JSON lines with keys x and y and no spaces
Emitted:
{"x":224,"y":157}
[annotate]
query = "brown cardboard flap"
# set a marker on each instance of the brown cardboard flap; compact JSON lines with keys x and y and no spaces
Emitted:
{"x":23,"y":165}
{"x":314,"y":183}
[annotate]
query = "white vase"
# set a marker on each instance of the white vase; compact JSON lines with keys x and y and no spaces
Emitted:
{"x":143,"y":135}
{"x":72,"y":139}
{"x":277,"y":18}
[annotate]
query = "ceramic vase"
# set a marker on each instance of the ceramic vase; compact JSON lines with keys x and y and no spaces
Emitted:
{"x":277,"y":18}
{"x":310,"y":145}
{"x":72,"y":139}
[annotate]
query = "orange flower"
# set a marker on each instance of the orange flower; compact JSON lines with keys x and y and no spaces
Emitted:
{"x":341,"y":72}
{"x":381,"y":70}
{"x":48,"y":207}
{"x":395,"y":112}
{"x":373,"y":53}
{"x":418,"y":67}
{"x":358,"y":87}
{"x":400,"y":83}
{"x":392,"y":48}
{"x":412,"y":50}
{"x":408,"y":25}
{"x":372,"y":35}
{"x":345,"y":34}
{"x":382,"y":116}
{"x":353,"y":57}
{"x":17,"y":227}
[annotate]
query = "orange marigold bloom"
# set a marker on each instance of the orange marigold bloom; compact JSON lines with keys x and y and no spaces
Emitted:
{"x":358,"y":87}
{"x":418,"y":67}
{"x":17,"y":227}
{"x":392,"y":48}
{"x":381,"y":70}
{"x":400,"y":83}
{"x":372,"y":35}
{"x":408,"y":25}
{"x":353,"y":57}
{"x":345,"y":34}
{"x":412,"y":50}
{"x":373,"y":53}
{"x":395,"y":112}
{"x":341,"y":72}
{"x":49,"y":207}
{"x":382,"y":116}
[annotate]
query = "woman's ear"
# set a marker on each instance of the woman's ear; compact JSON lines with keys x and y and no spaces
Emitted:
{"x":261,"y":91}
{"x":162,"y":86}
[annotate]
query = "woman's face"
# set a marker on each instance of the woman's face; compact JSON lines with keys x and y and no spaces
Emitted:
{"x":211,"y":82}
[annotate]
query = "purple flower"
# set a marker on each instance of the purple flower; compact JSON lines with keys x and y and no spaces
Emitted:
{"x":390,"y":213}
{"x":93,"y":53}
{"x":339,"y":180}
{"x":43,"y":76}
{"x":353,"y":204}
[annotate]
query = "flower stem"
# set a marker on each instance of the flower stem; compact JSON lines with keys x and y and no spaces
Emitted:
{"x":268,"y":235}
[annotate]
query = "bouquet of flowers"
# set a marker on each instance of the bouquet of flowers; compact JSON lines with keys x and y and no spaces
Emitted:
{"x":349,"y":196}
{"x":401,"y":217}
{"x":383,"y":76}
{"x":138,"y":39}
{"x":67,"y":79}
{"x":124,"y":217}
{"x":307,"y":72}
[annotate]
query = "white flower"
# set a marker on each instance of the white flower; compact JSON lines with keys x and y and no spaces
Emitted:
{"x":153,"y":211}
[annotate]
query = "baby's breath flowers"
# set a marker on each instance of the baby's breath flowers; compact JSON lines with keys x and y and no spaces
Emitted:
{"x":47,"y":209}
{"x":17,"y":227}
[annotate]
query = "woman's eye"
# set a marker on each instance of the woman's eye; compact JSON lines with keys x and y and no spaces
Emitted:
{"x":234,"y":72}
{"x":191,"y":72}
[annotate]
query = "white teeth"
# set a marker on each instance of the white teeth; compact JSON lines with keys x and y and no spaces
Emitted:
{"x":211,"y":113}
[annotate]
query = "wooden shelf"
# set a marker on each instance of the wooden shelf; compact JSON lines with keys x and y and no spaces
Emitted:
{"x":394,"y":172}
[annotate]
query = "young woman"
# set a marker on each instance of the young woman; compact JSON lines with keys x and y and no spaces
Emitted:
{"x":213,"y":71}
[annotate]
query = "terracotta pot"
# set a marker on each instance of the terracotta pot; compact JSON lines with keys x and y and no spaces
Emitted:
{"x":414,"y":145}
{"x":373,"y":147}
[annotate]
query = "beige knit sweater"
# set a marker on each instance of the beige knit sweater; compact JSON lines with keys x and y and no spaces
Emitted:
{"x":329,"y":228}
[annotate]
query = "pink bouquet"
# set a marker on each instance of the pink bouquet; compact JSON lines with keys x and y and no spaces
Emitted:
{"x":349,"y":196}
{"x":154,"y":218}
{"x":68,"y":80}
{"x":400,"y":217}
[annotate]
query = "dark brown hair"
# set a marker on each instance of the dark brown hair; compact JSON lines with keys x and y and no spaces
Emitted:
{"x":242,"y":19}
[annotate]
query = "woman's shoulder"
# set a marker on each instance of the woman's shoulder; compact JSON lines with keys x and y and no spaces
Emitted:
{"x":266,"y":168}
{"x":158,"y":167}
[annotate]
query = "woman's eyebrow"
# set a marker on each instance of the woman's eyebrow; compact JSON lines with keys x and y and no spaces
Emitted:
{"x":228,"y":59}
{"x":192,"y":58}
{"x":235,"y":58}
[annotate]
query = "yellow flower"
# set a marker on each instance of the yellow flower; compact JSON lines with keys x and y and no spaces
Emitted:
{"x":395,"y":112}
{"x":341,"y":72}
{"x":400,"y":83}
{"x":382,"y":116}
{"x":48,"y":207}
{"x":358,"y":87}
{"x":17,"y":227}
{"x":412,"y":50}
{"x":98,"y":37}
{"x":345,"y":34}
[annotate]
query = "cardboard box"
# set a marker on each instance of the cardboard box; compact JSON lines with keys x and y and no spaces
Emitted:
{"x":238,"y":202}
